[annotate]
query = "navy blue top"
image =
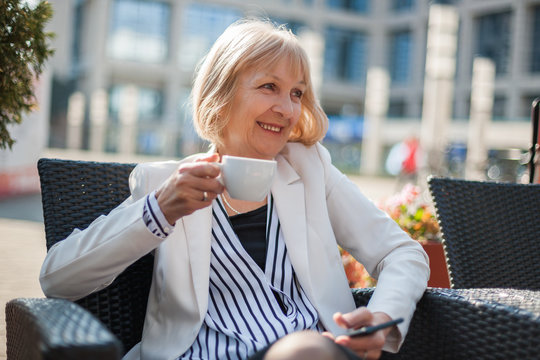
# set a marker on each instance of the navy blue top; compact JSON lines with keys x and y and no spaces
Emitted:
{"x":251,"y":230}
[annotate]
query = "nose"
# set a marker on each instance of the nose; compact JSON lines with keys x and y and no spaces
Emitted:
{"x":284,"y":106}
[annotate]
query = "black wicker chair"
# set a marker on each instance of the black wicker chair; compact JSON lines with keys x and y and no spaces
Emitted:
{"x":74,"y":193}
{"x":491,"y":232}
{"x":448,"y":323}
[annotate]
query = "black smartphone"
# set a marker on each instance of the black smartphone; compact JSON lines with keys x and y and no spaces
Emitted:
{"x":366,"y":330}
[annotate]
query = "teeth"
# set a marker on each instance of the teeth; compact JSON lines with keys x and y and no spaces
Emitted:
{"x":270,"y":127}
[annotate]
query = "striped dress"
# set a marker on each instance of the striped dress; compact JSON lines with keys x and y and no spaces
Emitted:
{"x":244,"y":314}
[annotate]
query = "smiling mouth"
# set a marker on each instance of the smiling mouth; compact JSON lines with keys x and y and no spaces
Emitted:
{"x":275,"y":129}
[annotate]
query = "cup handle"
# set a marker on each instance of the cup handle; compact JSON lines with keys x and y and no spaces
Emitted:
{"x":220,"y":176}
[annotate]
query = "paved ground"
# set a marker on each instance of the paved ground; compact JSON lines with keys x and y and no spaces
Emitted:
{"x":21,"y":254}
{"x":22,"y":240}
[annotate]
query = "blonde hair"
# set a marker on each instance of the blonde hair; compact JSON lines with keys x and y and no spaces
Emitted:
{"x":251,"y":44}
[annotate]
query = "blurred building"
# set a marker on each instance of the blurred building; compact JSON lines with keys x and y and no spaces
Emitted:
{"x":153,"y":47}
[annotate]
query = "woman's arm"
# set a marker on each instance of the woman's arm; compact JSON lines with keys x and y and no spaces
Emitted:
{"x":89,"y":260}
{"x":374,"y":239}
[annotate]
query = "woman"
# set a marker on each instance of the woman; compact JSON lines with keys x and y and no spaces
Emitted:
{"x":238,"y":279}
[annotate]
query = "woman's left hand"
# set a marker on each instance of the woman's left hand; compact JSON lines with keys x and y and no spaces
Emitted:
{"x":369,"y":346}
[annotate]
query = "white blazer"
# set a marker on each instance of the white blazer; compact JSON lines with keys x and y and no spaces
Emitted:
{"x":318,"y":208}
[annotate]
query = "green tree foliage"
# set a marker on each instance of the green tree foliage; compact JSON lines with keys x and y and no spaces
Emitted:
{"x":23,"y":51}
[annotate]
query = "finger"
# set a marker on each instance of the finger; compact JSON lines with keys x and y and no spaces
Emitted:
{"x":201,"y":169}
{"x":210,"y":185}
{"x":204,"y":190}
{"x":328,"y":335}
{"x":354,"y":319}
{"x":208,"y":196}
{"x":340,"y":320}
{"x":353,"y":343}
{"x":208,"y":158}
{"x":374,"y":342}
{"x":363,"y":351}
{"x":205,"y":196}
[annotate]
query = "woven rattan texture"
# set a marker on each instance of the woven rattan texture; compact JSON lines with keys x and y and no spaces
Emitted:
{"x":56,"y":329}
{"x":490,"y":232}
{"x":74,"y":193}
{"x":471,"y":324}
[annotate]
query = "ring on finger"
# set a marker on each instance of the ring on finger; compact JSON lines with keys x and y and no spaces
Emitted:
{"x":205,"y":196}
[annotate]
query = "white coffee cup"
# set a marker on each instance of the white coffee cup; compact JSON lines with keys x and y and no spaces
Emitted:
{"x":247,"y":178}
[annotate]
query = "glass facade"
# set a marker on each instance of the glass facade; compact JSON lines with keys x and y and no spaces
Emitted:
{"x":400,"y":56}
{"x":526,"y":105}
{"x":360,"y":6}
{"x":201,"y":26}
{"x":403,"y":5}
{"x":149,"y":102}
{"x":535,"y":43}
{"x":493,"y":37}
{"x":139,"y":31}
{"x":345,"y":55}
{"x":76,"y":53}
{"x":499,"y":107}
{"x":397,"y":108}
{"x":171,"y":36}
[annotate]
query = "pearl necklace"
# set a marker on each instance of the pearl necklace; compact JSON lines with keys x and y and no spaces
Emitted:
{"x":229,"y":205}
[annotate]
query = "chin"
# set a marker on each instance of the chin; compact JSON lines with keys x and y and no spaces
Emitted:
{"x":271,"y":153}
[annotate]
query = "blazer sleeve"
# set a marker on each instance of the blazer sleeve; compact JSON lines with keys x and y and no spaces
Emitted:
{"x":398,"y":262}
{"x":89,"y":260}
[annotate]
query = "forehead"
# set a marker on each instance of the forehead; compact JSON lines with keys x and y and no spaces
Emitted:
{"x":283,"y":69}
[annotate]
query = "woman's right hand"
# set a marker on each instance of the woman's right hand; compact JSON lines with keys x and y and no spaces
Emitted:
{"x":184,"y":191}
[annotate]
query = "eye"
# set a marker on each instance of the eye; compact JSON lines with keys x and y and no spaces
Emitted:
{"x":297,"y":93}
{"x":269,"y":86}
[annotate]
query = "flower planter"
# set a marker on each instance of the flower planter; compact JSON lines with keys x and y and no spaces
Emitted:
{"x":437,"y":264}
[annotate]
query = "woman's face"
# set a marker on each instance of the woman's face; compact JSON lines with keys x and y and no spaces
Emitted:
{"x":264,"y":110}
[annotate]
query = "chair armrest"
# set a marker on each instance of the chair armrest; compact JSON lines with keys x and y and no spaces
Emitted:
{"x":56,"y":329}
{"x":471,"y":324}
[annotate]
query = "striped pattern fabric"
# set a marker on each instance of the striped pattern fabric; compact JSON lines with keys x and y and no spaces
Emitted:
{"x":244,"y":314}
{"x":153,"y":217}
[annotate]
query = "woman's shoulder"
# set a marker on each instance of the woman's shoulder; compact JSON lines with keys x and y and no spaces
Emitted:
{"x":298,"y":153}
{"x":148,"y":176}
{"x":166,"y":166}
{"x":313,"y":163}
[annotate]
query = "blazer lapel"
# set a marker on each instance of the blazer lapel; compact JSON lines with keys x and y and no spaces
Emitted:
{"x":289,"y":197}
{"x":198,"y":230}
{"x":288,"y":191}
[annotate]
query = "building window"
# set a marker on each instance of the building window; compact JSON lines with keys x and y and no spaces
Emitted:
{"x":499,"y":108}
{"x":139,"y":31}
{"x":201,"y":26}
{"x":295,"y":26}
{"x":526,"y":106}
{"x":149,"y":104}
{"x":535,"y":60}
{"x":493,"y":39}
{"x":402,"y":5}
{"x":76,"y":45}
{"x":360,"y":6}
{"x":397,"y":108}
{"x":345,"y":55}
{"x":400,"y":56}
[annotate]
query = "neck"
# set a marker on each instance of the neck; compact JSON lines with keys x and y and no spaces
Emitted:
{"x":235,"y":206}
{"x":222,"y":151}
